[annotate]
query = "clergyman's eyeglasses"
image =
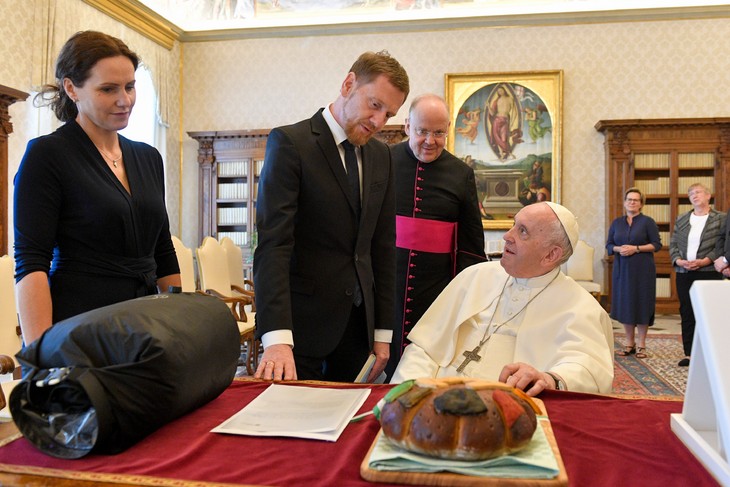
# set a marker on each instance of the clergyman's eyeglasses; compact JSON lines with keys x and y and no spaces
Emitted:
{"x":437,"y":134}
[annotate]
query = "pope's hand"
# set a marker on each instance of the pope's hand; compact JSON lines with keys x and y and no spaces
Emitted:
{"x":523,"y":376}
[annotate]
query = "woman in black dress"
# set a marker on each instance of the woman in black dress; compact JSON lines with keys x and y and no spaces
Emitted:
{"x":91,"y":227}
{"x":633,"y":239}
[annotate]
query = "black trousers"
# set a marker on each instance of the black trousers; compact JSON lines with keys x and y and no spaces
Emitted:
{"x":684,"y":282}
{"x":346,"y":360}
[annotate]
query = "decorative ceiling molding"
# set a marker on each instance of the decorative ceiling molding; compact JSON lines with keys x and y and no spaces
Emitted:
{"x":151,"y":24}
{"x":525,"y":20}
{"x":137,"y":16}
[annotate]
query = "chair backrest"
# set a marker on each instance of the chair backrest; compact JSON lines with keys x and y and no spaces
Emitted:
{"x":580,"y":264}
{"x":213,"y":267}
{"x":10,"y":342}
{"x":187,"y":267}
{"x":234,"y":254}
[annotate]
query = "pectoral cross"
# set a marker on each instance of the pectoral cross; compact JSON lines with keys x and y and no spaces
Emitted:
{"x":471,"y":355}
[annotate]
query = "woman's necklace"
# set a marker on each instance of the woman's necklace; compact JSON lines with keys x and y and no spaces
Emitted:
{"x":473,"y":355}
{"x":111,"y":159}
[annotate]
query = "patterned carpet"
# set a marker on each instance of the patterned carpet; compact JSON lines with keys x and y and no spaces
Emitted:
{"x":657,"y":375}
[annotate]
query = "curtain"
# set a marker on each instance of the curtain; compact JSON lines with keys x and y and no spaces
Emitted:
{"x":54,"y":22}
{"x":161,"y":80}
{"x":44,"y":53}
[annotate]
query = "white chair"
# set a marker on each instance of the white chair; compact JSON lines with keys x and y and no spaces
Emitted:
{"x":580,"y":268}
{"x":215,"y":280}
{"x":235,"y":261}
{"x":235,"y":269}
{"x":10,"y":341}
{"x":187,"y":268}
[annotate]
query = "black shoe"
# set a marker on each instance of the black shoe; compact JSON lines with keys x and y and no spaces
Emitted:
{"x":684,"y":362}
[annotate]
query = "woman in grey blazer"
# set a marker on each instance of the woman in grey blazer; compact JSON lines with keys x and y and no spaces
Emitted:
{"x":697,"y":240}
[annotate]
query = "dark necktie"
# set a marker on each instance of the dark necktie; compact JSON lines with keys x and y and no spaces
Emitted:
{"x":353,"y":177}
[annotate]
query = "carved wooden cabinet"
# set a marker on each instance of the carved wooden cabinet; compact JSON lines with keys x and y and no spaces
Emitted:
{"x":229,"y":166}
{"x":663,"y":158}
{"x":8,"y":96}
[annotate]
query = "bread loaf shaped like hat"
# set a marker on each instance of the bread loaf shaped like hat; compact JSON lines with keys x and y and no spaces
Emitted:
{"x":458,"y":418}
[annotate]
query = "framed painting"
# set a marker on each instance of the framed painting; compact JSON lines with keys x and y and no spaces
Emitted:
{"x":508,"y":127}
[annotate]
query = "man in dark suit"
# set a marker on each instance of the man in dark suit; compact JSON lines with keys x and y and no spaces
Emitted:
{"x":324,"y":268}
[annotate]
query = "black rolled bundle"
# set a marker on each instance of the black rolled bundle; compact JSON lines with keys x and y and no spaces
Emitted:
{"x":102,"y":380}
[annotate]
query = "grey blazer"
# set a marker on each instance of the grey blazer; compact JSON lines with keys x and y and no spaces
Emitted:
{"x":712,"y":241}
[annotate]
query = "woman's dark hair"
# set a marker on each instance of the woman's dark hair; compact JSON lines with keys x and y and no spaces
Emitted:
{"x":80,"y":53}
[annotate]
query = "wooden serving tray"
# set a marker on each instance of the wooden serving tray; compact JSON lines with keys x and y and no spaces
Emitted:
{"x":458,"y":480}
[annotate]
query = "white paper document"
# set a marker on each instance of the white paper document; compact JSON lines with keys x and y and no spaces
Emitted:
{"x":318,"y":413}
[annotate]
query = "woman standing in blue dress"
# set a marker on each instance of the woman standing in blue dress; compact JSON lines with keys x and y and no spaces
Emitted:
{"x":633,"y":239}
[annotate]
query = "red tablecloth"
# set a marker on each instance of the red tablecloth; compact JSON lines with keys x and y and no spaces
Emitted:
{"x":621,"y":442}
{"x":603,"y":441}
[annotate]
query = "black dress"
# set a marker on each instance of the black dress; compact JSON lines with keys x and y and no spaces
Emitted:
{"x":75,"y":221}
{"x":442,"y":190}
{"x":633,"y":292}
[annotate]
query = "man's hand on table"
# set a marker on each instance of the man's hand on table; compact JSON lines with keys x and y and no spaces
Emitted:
{"x":277,"y":363}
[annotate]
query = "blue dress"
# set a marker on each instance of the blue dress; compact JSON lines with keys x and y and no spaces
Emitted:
{"x":633,"y":297}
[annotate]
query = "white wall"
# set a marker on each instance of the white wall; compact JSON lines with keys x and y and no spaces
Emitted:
{"x":658,"y":69}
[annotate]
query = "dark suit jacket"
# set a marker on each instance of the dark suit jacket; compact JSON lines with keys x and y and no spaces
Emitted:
{"x":310,"y":248}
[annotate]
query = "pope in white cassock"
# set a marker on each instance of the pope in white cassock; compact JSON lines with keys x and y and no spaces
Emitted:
{"x":520,"y":320}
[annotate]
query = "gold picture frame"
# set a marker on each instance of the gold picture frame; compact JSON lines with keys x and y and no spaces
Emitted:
{"x":508,"y":127}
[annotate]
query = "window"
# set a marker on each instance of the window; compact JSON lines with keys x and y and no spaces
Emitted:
{"x":143,"y":126}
